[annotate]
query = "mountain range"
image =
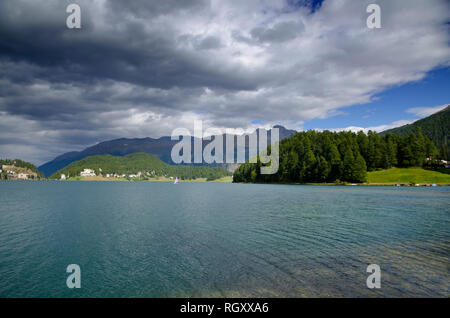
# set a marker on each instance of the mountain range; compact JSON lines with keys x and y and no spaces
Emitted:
{"x":160,"y":147}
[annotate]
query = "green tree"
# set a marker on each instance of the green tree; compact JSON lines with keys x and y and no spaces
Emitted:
{"x":308,"y":170}
{"x":323,"y":169}
{"x":359,"y":173}
{"x":253,"y":176}
{"x":334,"y":158}
{"x":349,"y":161}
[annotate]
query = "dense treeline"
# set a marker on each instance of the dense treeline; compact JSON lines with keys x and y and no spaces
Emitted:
{"x":345,"y":156}
{"x":139,"y":162}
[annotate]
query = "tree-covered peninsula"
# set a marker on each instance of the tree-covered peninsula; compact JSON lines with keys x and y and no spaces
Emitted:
{"x":317,"y":157}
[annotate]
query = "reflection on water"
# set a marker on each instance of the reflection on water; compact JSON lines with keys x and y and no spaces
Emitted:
{"x":222,"y":240}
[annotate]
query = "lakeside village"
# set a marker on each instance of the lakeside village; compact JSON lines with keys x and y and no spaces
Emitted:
{"x":86,"y":173}
{"x":11,"y":172}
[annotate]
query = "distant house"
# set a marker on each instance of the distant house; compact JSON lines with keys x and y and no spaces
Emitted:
{"x":445,"y":163}
{"x":63,"y":176}
{"x":87,"y":173}
{"x":22,"y":176}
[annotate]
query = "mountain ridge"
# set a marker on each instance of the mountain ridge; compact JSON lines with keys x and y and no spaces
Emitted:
{"x":160,"y":147}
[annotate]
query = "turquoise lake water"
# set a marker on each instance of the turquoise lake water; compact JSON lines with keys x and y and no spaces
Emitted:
{"x":149,"y":239}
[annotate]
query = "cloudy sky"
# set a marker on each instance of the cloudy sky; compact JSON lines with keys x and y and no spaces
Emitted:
{"x":142,"y":68}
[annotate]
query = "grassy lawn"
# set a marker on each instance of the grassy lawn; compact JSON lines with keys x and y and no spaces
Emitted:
{"x":224,"y":179}
{"x":408,"y":175}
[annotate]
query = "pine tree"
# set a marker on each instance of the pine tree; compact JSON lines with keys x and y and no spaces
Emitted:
{"x":363,"y":143}
{"x":308,"y":170}
{"x":349,"y":161}
{"x":334,"y":158}
{"x":391,"y":151}
{"x":323,"y":169}
{"x":359,"y":173}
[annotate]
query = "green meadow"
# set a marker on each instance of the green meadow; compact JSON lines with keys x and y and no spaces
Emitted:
{"x":408,"y":175}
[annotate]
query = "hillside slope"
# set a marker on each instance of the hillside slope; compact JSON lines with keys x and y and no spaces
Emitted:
{"x":436,"y":127}
{"x":139,"y":162}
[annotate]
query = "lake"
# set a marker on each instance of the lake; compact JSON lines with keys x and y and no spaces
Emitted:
{"x":151,"y":239}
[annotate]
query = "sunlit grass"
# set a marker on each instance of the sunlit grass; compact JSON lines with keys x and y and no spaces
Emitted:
{"x":407,"y":176}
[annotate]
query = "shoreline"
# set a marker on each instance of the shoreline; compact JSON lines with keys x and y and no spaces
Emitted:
{"x":399,"y":185}
{"x":102,"y":179}
{"x":420,"y":185}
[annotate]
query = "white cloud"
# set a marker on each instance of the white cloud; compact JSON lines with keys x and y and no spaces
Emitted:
{"x":379,"y":128}
{"x":417,"y":111}
{"x":425,"y":111}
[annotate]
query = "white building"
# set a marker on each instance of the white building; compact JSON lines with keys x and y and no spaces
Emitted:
{"x":63,"y":176}
{"x":23,"y":176}
{"x":87,"y":173}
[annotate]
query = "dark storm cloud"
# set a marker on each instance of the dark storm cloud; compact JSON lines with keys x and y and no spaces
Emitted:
{"x":149,"y":9}
{"x":280,"y":32}
{"x":128,"y":51}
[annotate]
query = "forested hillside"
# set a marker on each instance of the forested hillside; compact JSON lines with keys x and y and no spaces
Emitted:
{"x":139,"y":162}
{"x":345,"y":156}
{"x":436,"y":127}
